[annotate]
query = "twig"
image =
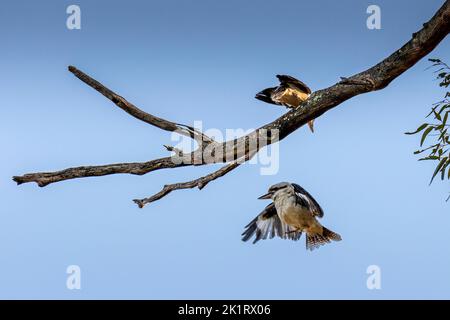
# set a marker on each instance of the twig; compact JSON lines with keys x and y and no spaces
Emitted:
{"x":200,"y":183}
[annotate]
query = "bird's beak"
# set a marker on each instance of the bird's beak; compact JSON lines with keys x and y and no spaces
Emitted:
{"x":260,"y":95}
{"x":266,"y":196}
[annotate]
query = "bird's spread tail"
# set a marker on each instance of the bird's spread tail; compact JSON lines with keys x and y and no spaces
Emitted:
{"x":316,"y":240}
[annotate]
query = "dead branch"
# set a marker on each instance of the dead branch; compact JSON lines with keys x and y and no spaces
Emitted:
{"x":200,"y":183}
{"x":137,"y":168}
{"x":131,"y":109}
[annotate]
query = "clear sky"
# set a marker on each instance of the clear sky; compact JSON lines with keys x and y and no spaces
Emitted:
{"x":205,"y":60}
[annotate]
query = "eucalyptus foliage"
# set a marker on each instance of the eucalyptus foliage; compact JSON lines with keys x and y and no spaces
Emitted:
{"x":434,"y":134}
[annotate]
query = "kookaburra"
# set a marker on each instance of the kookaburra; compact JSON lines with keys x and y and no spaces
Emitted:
{"x":290,"y":93}
{"x":292,"y":212}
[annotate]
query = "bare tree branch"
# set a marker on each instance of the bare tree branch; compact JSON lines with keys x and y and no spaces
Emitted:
{"x":137,"y":168}
{"x":375,"y":78}
{"x":138,"y":113}
{"x":200,"y":183}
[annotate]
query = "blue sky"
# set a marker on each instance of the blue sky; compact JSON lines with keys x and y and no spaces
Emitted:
{"x":205,"y":60}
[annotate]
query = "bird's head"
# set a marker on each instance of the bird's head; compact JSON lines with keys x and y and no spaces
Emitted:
{"x":275,"y":189}
{"x":265,"y":95}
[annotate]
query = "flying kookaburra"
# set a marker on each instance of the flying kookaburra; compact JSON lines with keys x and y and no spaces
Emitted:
{"x":292,"y":212}
{"x":290,"y":93}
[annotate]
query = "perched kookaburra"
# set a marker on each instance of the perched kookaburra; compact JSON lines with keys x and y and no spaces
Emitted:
{"x":290,"y":93}
{"x":292,"y":212}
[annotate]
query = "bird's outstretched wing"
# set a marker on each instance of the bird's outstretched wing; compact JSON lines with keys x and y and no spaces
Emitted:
{"x":268,"y":225}
{"x":289,"y":81}
{"x":307,"y":200}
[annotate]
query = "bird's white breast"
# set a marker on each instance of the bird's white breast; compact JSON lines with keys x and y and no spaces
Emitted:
{"x":292,"y":213}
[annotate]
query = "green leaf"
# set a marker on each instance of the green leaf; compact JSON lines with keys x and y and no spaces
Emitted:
{"x":443,"y":169}
{"x":429,"y":158}
{"x":423,"y":126}
{"x":444,"y":121}
{"x":442,"y":135}
{"x":424,"y":136}
{"x":437,"y":115}
{"x":439,"y":166}
{"x":444,"y":106}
